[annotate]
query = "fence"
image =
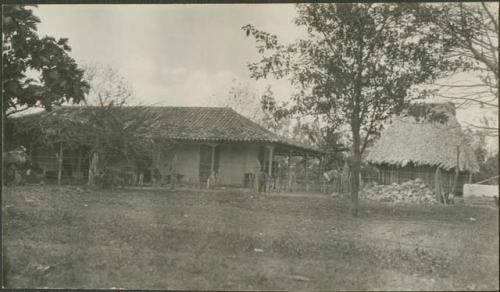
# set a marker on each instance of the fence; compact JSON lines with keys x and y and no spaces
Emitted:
{"x":340,"y":184}
{"x":75,"y":169}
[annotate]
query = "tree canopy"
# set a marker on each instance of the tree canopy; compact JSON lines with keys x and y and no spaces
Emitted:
{"x":358,"y":65}
{"x":37,"y":71}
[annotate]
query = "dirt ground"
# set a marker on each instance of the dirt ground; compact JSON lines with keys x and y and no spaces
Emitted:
{"x":72,"y":237}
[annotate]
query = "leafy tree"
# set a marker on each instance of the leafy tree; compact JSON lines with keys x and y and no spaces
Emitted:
{"x":120,"y":136}
{"x":488,"y":162}
{"x":358,"y":66}
{"x":111,"y":132}
{"x":37,"y":71}
{"x":113,"y":135}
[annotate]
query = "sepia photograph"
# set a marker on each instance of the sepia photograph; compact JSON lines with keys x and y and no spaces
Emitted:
{"x":250,"y":146}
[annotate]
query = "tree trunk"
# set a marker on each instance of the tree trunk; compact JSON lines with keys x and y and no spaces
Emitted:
{"x":356,"y":120}
{"x":94,"y":159}
{"x":355,"y":171}
{"x":59,"y":163}
{"x":457,"y":169}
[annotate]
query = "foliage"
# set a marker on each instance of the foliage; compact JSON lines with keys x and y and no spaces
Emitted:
{"x":36,"y":71}
{"x":430,"y":113}
{"x":121,"y":136}
{"x":242,"y":99}
{"x":15,"y":162}
{"x":358,"y":65}
{"x":488,"y":163}
{"x":489,"y":169}
{"x":121,"y":133}
{"x":105,"y":125}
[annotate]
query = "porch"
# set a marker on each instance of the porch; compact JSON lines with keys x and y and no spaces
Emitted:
{"x":261,"y":167}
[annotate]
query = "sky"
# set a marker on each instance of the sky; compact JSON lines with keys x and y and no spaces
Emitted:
{"x":172,"y":54}
{"x":183,"y":54}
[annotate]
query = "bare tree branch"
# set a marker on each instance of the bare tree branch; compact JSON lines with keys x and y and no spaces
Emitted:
{"x":492,"y":18}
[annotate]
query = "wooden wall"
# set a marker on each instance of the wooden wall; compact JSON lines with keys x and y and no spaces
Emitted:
{"x":387,"y":174}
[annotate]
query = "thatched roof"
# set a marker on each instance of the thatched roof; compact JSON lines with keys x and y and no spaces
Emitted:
{"x":207,"y":124}
{"x":408,"y":141}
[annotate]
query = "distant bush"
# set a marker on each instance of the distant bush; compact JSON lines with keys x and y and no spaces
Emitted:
{"x":488,"y":169}
{"x":111,"y":178}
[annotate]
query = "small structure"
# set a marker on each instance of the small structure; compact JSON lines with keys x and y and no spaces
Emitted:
{"x":195,"y":146}
{"x":438,"y":153}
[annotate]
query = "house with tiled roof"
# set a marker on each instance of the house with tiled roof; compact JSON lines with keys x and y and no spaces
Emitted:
{"x":209,"y":142}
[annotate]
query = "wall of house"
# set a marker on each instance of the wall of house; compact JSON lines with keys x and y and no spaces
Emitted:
{"x":187,"y":159}
{"x":187,"y":162}
{"x":235,"y":160}
{"x":162,"y":160}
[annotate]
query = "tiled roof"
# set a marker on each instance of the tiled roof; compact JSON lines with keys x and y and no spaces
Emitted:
{"x":209,"y":123}
{"x":218,"y":124}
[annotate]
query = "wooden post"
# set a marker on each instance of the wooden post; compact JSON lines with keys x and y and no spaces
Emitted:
{"x":270,"y":167}
{"x":290,"y":171}
{"x":256,"y":176}
{"x":305,"y":172}
{"x":59,"y":163}
{"x":437,"y":184}
{"x":212,"y":161}
{"x":212,"y":177}
{"x":320,"y":174}
{"x":457,"y":169}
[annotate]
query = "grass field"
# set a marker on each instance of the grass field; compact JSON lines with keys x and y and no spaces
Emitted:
{"x":77,"y":238}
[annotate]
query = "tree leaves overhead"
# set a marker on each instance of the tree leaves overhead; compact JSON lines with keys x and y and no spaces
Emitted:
{"x":117,"y":133}
{"x":380,"y":49}
{"x":25,"y":55}
{"x":358,"y":66}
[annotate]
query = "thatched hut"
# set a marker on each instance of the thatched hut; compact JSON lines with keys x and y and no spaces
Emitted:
{"x":413,"y":148}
